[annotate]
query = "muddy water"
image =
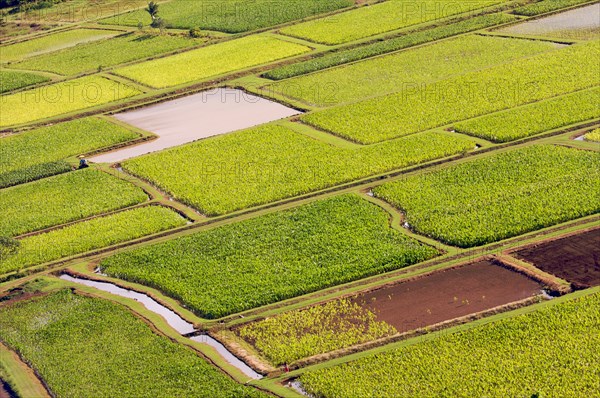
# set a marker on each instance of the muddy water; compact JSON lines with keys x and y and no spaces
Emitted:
{"x":174,"y":320}
{"x":579,"y":19}
{"x":195,"y":117}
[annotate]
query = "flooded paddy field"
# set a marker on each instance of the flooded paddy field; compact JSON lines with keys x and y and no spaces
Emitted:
{"x":574,"y":258}
{"x":195,"y":117}
{"x":448,"y":294}
{"x":582,"y":23}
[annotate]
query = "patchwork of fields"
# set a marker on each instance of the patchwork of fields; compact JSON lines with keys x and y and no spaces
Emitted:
{"x":334,"y":198}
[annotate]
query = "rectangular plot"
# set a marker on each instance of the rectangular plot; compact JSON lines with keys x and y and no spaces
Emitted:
{"x":211,"y":61}
{"x":10,"y":80}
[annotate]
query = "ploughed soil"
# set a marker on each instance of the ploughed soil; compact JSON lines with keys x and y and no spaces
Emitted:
{"x":448,"y":294}
{"x":574,"y":258}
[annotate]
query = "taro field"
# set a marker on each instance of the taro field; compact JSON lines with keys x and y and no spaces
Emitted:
{"x":266,"y":198}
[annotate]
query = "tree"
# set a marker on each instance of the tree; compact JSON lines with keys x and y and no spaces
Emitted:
{"x":152,"y":9}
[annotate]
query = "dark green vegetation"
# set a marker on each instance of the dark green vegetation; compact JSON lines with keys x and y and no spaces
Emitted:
{"x":232,"y":16}
{"x":89,"y":347}
{"x":500,"y":196}
{"x":231,"y":172}
{"x":39,"y":153}
{"x":106,"y":53}
{"x":10,"y":80}
{"x":63,"y":198}
{"x":273,"y":257}
{"x":547,"y":353}
{"x":386,"y":46}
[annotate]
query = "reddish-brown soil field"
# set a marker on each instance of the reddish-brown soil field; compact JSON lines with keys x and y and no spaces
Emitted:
{"x":575,"y":258}
{"x":448,"y":294}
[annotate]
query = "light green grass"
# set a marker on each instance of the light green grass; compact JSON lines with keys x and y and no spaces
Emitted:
{"x":319,"y":329}
{"x":89,"y":235}
{"x":51,"y":42}
{"x":545,"y":6}
{"x":392,"y":73}
{"x":422,"y":107}
{"x":273,"y":257}
{"x":379,"y":18}
{"x":58,"y":142}
{"x":593,"y":135}
{"x":211,"y":61}
{"x":235,"y":171}
{"x":546,"y":353}
{"x":61,"y":98}
{"x":231,"y":16}
{"x":64,"y":198}
{"x":10,"y":80}
{"x":535,"y":118}
{"x":89,"y":347}
{"x":107,"y":53}
{"x":500,"y":196}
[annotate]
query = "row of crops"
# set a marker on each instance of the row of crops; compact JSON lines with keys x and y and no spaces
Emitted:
{"x":548,"y":352}
{"x":273,"y":257}
{"x":466,"y":96}
{"x":10,"y":80}
{"x":268,"y":163}
{"x":90,"y":235}
{"x":499,"y":196}
{"x":393,"y":73}
{"x":90,"y":347}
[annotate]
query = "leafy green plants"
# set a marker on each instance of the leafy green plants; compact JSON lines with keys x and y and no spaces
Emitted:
{"x":535,"y":118}
{"x":499,"y":196}
{"x":60,"y":98}
{"x":264,"y":164}
{"x":89,"y":235}
{"x":211,"y":61}
{"x":315,"y":330}
{"x":424,"y":106}
{"x":10,"y":80}
{"x":106,"y":53}
{"x":379,"y":18}
{"x":593,"y":136}
{"x":63,"y":198}
{"x":233,"y":16}
{"x":396,"y":72}
{"x":272,"y":257}
{"x":542,"y":7}
{"x":39,"y":153}
{"x":109,"y":348}
{"x":516,"y":353}
{"x":387,"y":46}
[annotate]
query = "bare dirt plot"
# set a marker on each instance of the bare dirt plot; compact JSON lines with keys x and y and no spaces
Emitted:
{"x":575,"y":258}
{"x":448,"y":294}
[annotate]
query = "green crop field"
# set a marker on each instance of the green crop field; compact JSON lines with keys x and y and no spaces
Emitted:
{"x":231,"y":16}
{"x":422,"y":107}
{"x":379,"y":18}
{"x":546,"y":353}
{"x":25,"y":153}
{"x":33,"y":173}
{"x":501,"y":196}
{"x":52,"y":42}
{"x":392,"y":73}
{"x":387,"y":46}
{"x":61,"y":98}
{"x":211,"y":61}
{"x":536,"y":118}
{"x":63,"y":198}
{"x":593,"y":135}
{"x":89,"y":347}
{"x":545,"y":6}
{"x":319,"y":329}
{"x":269,"y":163}
{"x":107,"y":53}
{"x":272,"y":257}
{"x":90,"y":235}
{"x":10,"y":80}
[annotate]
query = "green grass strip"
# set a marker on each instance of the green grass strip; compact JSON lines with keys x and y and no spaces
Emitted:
{"x":542,"y":7}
